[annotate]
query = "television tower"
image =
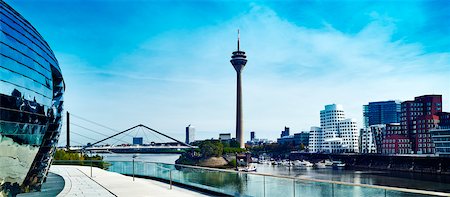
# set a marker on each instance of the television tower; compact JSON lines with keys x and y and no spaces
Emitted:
{"x":239,"y":59}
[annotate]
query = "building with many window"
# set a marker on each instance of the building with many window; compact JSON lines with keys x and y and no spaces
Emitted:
{"x":396,"y":144}
{"x":336,"y":134}
{"x":378,"y":131}
{"x":315,"y":139}
{"x":367,"y":142}
{"x":418,"y":117}
{"x":31,"y":104}
{"x":382,"y":112}
{"x":396,"y":140}
{"x":441,"y":135}
{"x":441,"y":139}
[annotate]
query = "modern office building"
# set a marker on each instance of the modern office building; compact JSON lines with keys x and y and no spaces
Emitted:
{"x":367,"y":141}
{"x":441,"y":139}
{"x":252,"y":136}
{"x":238,"y":60}
{"x":225,"y":136}
{"x":417,"y":118}
{"x":190,"y":134}
{"x":378,"y":132}
{"x":315,"y":139}
{"x":138,"y":141}
{"x":336,"y":134}
{"x":382,"y":112}
{"x":31,"y":100}
{"x":296,"y":139}
{"x":441,"y":135}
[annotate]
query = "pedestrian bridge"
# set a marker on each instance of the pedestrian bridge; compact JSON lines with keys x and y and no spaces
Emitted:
{"x":161,"y":148}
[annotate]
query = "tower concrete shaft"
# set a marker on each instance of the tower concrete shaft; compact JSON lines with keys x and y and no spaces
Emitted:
{"x":238,"y":60}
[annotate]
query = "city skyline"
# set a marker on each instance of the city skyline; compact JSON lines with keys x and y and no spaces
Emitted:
{"x":302,"y":57}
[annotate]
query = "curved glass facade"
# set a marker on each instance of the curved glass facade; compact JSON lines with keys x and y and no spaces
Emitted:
{"x":31,"y":90}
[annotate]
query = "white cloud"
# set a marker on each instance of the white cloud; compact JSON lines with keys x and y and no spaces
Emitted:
{"x":185,"y":77}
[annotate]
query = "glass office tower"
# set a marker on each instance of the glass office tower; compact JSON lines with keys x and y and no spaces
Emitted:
{"x":382,"y":112}
{"x":31,"y":90}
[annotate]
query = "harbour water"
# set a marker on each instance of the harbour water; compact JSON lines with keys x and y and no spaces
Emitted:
{"x":371,"y":177}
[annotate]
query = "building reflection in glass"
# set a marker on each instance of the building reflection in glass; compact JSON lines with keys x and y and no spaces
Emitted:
{"x":31,"y":100}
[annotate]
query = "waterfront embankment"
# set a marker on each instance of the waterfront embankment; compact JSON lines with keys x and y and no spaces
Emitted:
{"x":406,"y":163}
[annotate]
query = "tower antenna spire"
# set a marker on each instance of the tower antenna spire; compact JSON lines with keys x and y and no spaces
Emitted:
{"x":238,"y":40}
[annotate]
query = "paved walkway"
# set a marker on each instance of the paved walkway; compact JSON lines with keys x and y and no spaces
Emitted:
{"x":104,"y":183}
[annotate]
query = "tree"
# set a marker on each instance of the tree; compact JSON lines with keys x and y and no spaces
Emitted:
{"x":211,"y":149}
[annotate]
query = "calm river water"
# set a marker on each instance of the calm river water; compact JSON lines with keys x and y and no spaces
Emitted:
{"x":395,"y":179}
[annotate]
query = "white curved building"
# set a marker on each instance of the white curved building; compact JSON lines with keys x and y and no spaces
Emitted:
{"x":336,"y":134}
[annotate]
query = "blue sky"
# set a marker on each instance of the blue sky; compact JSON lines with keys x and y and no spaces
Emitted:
{"x":166,"y":63}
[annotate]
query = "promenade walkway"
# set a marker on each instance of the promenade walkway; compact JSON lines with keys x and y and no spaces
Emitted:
{"x":104,"y":183}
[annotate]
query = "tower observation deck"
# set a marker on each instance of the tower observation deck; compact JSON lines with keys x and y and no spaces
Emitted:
{"x":238,"y":60}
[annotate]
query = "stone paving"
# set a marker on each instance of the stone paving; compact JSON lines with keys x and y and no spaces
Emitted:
{"x":104,"y":183}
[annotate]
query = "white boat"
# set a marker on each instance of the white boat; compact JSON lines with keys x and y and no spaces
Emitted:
{"x":303,"y":163}
{"x":307,"y":164}
{"x":321,"y":164}
{"x":328,"y":162}
{"x":286,"y":163}
{"x":338,"y":164}
{"x":250,"y":168}
{"x":324,"y":164}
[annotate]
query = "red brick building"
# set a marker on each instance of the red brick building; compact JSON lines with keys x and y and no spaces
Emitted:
{"x":396,"y":144}
{"x":417,"y":118}
{"x":396,"y":140}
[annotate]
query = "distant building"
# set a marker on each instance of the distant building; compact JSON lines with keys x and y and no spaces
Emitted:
{"x":296,"y":139}
{"x":252,"y":136}
{"x":285,"y":132}
{"x":382,"y":112}
{"x":367,"y":141}
{"x":315,"y":139}
{"x":190,"y":134}
{"x":417,"y":118}
{"x":336,"y":134}
{"x":257,"y":141}
{"x":138,"y":141}
{"x":302,"y":138}
{"x":224,"y":136}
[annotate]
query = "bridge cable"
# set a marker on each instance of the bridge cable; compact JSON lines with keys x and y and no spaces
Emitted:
{"x":93,"y":131}
{"x":83,"y":135}
{"x":90,"y":121}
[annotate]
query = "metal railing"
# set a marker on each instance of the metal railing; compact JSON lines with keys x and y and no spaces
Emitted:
{"x":230,"y":182}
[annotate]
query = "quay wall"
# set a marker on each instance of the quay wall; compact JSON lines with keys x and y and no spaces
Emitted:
{"x":409,"y":163}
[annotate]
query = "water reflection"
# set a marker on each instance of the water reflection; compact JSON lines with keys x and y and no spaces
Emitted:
{"x":233,"y":183}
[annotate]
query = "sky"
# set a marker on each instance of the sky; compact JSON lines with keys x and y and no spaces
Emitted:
{"x":166,"y":64}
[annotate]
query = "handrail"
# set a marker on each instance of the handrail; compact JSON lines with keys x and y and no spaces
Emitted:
{"x":415,"y":191}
